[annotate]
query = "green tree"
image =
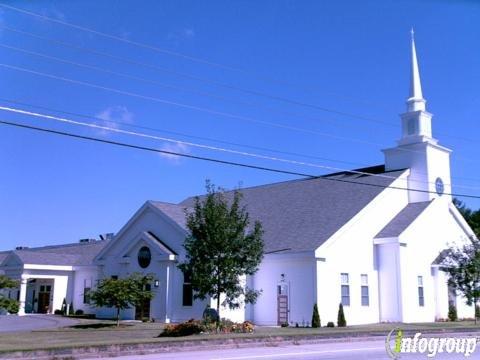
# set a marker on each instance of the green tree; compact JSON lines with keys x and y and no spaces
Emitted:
{"x":341,"y":322}
{"x":121,"y":293}
{"x":316,"y":317}
{"x":221,"y":248}
{"x":10,"y":305}
{"x":463,"y":266}
{"x":471,"y":216}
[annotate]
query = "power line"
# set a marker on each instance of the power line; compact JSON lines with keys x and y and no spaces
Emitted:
{"x":225,"y":162}
{"x":201,"y":109}
{"x":201,"y":146}
{"x":168,"y":86}
{"x":199,"y":137}
{"x":202,"y":79}
{"x":183,"y":134}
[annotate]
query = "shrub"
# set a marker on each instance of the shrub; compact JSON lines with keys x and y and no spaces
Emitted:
{"x":64,"y":307}
{"x":58,"y":312}
{"x":330,"y":324}
{"x":71,"y":311}
{"x":452,"y":313}
{"x":79,"y":312}
{"x":191,"y":327}
{"x":285,"y":324}
{"x":315,"y":317}
{"x":210,"y":315}
{"x":341,"y":322}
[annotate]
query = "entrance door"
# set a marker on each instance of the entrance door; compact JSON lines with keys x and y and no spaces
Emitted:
{"x":44,"y":299}
{"x":282,"y":304}
{"x":142,"y":311}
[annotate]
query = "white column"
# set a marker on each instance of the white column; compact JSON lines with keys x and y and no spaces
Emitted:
{"x":167,"y":294}
{"x":23,"y":296}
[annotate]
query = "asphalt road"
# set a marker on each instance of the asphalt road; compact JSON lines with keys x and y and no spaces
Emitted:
{"x":357,"y":350}
{"x":13,"y":323}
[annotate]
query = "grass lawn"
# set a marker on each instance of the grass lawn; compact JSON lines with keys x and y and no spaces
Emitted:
{"x":95,"y":332}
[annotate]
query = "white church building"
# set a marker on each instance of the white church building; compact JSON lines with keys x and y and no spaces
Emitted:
{"x":356,"y":237}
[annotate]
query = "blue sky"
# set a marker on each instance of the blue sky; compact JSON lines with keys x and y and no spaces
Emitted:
{"x":348,"y":56}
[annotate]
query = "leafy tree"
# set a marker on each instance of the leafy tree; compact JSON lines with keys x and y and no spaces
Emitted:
{"x":463,"y":263}
{"x":10,"y":305}
{"x":121,"y":293}
{"x":452,"y":313}
{"x":341,"y":322}
{"x":463,"y":266}
{"x":221,"y":248}
{"x":471,"y":216}
{"x":315,"y":317}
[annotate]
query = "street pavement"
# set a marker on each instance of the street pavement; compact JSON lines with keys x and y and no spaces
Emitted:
{"x":14,"y":323}
{"x":355,"y":350}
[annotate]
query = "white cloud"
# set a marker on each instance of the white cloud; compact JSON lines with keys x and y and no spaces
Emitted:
{"x":113,"y":116}
{"x":174,"y":147}
{"x":178,"y":36}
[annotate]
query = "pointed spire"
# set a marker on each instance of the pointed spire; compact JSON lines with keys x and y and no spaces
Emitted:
{"x":416,"y":101}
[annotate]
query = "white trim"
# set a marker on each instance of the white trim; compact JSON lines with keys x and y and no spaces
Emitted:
{"x":47,"y":267}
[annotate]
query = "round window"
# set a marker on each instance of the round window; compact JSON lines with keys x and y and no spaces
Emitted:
{"x":144,"y":257}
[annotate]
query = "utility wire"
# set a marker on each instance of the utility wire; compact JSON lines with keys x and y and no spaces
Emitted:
{"x":128,"y":124}
{"x":168,"y":86}
{"x":182,"y":134}
{"x":201,"y":109}
{"x":203,"y":146}
{"x":197,"y":78}
{"x":213,"y":82}
{"x":244,"y":165}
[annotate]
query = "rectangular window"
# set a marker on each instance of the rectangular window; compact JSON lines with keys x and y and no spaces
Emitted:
{"x":187,"y":298}
{"x":364,"y":290}
{"x":345,"y":289}
{"x":87,"y":287}
{"x":86,"y":295}
{"x":421,"y":298}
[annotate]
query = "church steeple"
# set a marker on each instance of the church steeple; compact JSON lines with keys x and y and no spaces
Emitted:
{"x":415,"y":101}
{"x":416,"y":122}
{"x":428,"y":163}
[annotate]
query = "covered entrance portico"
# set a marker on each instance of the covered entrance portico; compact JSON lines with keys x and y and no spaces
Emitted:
{"x":41,"y":293}
{"x":42,"y":288}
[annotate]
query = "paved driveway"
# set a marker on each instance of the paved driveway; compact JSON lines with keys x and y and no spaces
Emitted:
{"x":12,"y":323}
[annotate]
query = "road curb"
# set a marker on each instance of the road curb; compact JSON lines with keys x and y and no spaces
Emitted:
{"x":191,"y":344}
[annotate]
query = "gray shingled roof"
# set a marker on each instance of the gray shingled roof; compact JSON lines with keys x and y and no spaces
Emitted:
{"x":403,"y":220}
{"x":173,"y":211}
{"x":301,"y":215}
{"x":66,"y":254}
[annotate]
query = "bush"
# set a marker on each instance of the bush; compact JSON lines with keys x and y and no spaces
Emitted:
{"x":79,"y":312}
{"x":330,"y":324}
{"x":191,"y":327}
{"x":58,"y":312}
{"x":285,"y":324}
{"x":64,"y":307}
{"x":210,"y":315}
{"x":341,"y":322}
{"x":315,"y":317}
{"x":71,"y":311}
{"x":452,"y":313}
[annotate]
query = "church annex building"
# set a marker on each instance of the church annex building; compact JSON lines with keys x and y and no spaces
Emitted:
{"x":355,"y":237}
